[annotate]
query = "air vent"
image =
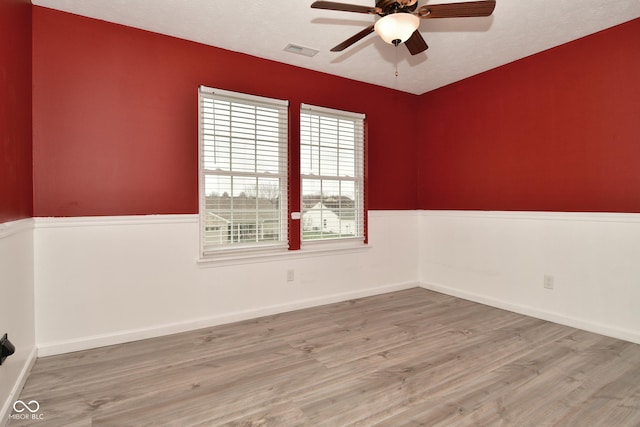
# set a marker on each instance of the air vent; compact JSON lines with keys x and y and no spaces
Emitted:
{"x":300,"y":50}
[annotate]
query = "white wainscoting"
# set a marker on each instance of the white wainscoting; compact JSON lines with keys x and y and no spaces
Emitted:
{"x":108,"y":280}
{"x":501,"y":258}
{"x":16,"y":310}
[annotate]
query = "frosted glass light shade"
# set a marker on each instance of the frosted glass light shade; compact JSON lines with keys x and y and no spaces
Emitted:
{"x":397,"y":26}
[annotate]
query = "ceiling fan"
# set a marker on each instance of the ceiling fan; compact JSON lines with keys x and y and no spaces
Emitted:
{"x":399,"y":19}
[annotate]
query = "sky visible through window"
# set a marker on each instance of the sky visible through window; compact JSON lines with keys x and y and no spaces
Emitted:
{"x":241,"y":139}
{"x":327,"y":150}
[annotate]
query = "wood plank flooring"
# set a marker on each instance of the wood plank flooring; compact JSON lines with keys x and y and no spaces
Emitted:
{"x":406,"y":358}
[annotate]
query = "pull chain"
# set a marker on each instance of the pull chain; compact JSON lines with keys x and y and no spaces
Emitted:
{"x":396,"y":49}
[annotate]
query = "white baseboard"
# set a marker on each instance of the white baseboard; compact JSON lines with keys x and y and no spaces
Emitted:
{"x":7,"y":407}
{"x":614,"y":332}
{"x":53,"y":348}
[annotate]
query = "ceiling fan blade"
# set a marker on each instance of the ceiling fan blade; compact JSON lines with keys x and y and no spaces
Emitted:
{"x":344,"y":7}
{"x":457,"y":10}
{"x":351,"y":40}
{"x":416,"y":43}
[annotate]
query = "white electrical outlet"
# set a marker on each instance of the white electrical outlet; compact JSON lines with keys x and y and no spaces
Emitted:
{"x":290,"y":275}
{"x":548,"y":281}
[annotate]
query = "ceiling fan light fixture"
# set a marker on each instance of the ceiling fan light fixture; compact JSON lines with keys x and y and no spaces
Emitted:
{"x":397,"y":26}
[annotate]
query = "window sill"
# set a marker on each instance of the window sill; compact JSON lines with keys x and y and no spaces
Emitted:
{"x":309,"y":249}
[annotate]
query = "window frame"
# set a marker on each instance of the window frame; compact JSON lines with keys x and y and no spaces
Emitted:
{"x":242,"y":250}
{"x":359,"y":179}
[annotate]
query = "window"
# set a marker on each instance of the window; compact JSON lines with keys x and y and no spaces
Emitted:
{"x":332,"y":173}
{"x":243,"y":171}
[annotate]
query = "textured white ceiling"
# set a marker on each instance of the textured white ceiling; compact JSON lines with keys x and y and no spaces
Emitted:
{"x":458,"y":47}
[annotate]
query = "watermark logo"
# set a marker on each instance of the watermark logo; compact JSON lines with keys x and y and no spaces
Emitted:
{"x":26,"y":410}
{"x":33,"y":406}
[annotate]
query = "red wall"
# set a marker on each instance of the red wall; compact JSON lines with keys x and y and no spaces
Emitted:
{"x":16,"y":200}
{"x":557,"y":131}
{"x":115,"y":124}
{"x":115,"y":117}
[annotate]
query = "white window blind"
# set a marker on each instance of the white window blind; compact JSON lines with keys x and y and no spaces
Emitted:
{"x":243,"y":171}
{"x":332,"y":173}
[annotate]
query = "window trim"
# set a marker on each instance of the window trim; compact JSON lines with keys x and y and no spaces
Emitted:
{"x":292,"y":245}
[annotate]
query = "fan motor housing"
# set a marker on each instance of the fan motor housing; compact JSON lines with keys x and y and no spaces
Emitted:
{"x":391,"y":6}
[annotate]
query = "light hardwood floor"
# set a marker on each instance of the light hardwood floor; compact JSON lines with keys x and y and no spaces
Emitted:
{"x":406,"y":358}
